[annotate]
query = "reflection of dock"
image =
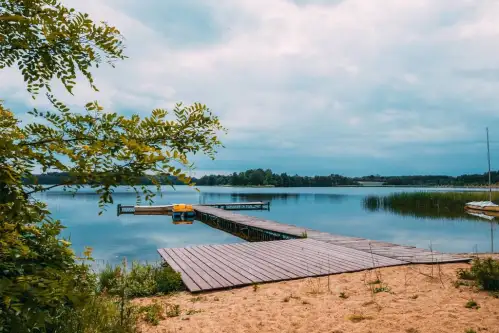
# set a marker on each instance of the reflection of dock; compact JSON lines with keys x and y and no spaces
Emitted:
{"x":283,"y":252}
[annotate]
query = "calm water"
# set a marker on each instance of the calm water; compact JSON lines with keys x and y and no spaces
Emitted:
{"x":335,"y":210}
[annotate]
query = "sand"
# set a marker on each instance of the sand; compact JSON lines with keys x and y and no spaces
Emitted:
{"x":416,"y":298}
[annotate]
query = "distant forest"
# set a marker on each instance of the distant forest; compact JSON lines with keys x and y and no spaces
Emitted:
{"x":260,"y":177}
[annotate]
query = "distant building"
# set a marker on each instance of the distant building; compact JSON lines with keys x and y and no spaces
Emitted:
{"x":364,"y":183}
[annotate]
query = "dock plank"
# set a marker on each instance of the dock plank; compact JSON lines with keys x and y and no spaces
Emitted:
{"x":242,"y":261}
{"x":231,"y":275}
{"x":277,"y":272}
{"x":203,"y":285}
{"x":231,"y":264}
{"x":213,"y":273}
{"x":189,"y":283}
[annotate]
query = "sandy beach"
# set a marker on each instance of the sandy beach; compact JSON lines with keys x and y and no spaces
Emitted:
{"x":414,"y":298}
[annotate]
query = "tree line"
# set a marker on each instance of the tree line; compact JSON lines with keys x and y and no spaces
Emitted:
{"x":261,"y":177}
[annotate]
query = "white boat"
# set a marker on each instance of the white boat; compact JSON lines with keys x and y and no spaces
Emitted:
{"x":484,"y":206}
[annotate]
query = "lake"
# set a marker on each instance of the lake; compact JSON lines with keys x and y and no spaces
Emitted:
{"x":336,"y":210}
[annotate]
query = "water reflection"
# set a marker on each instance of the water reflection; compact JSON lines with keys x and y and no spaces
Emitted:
{"x":335,"y":210}
{"x":420,"y":207}
{"x":211,"y":197}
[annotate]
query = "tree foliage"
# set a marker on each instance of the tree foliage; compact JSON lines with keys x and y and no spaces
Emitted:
{"x":44,"y":40}
{"x":260,"y":177}
{"x":41,"y":279}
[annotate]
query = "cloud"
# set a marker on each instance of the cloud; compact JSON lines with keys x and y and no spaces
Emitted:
{"x":348,"y":86}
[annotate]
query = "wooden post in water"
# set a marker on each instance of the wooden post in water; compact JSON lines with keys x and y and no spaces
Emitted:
{"x":490,"y":194}
{"x":488,"y":158}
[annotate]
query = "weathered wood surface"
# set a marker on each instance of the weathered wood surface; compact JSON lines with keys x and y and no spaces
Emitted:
{"x":210,"y":267}
{"x":400,"y":252}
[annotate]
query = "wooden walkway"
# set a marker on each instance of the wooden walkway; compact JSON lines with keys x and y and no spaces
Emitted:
{"x":167,"y":209}
{"x":291,"y":252}
{"x":209,"y":267}
{"x":409,"y":254}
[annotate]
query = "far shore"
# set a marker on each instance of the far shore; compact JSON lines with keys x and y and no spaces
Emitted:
{"x":495,"y":186}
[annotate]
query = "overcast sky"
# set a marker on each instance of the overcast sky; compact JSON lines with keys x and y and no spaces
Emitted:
{"x":310,"y":87}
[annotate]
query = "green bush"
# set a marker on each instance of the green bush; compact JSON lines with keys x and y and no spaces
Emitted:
{"x":167,"y":280}
{"x":140,"y":281}
{"x":107,"y":278}
{"x":485,"y":273}
{"x":99,"y":314}
{"x":153,"y":313}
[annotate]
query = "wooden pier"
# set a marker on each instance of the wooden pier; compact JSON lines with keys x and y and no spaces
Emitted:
{"x":167,"y":209}
{"x":209,"y":267}
{"x":282,"y":252}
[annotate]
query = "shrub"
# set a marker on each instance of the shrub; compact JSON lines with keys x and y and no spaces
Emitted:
{"x":99,"y":314}
{"x":107,"y":278}
{"x":141,"y":280}
{"x":485,"y":273}
{"x":471,"y":304}
{"x":167,"y":280}
{"x":173,"y":310}
{"x":152,"y":313}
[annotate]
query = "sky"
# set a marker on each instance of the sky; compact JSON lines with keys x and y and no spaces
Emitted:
{"x":353,"y":87}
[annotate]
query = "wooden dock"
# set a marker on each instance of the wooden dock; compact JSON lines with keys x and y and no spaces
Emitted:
{"x":282,"y":252}
{"x":167,"y":209}
{"x":246,"y":226}
{"x":209,"y":267}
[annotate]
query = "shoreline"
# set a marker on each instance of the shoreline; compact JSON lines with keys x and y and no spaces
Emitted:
{"x":341,"y":186}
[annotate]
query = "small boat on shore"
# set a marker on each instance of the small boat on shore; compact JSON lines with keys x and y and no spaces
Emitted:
{"x":482,"y":206}
{"x":482,"y":214}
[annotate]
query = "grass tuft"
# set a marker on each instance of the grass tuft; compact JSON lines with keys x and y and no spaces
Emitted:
{"x":472,"y":304}
{"x":374,"y":282}
{"x":412,"y":330}
{"x":192,"y":311}
{"x":198,"y":299}
{"x":173,"y":310}
{"x":152,"y":313}
{"x":358,"y":317}
{"x":381,"y":289}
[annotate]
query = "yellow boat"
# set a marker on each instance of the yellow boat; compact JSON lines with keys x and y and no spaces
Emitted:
{"x":183,"y":214}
